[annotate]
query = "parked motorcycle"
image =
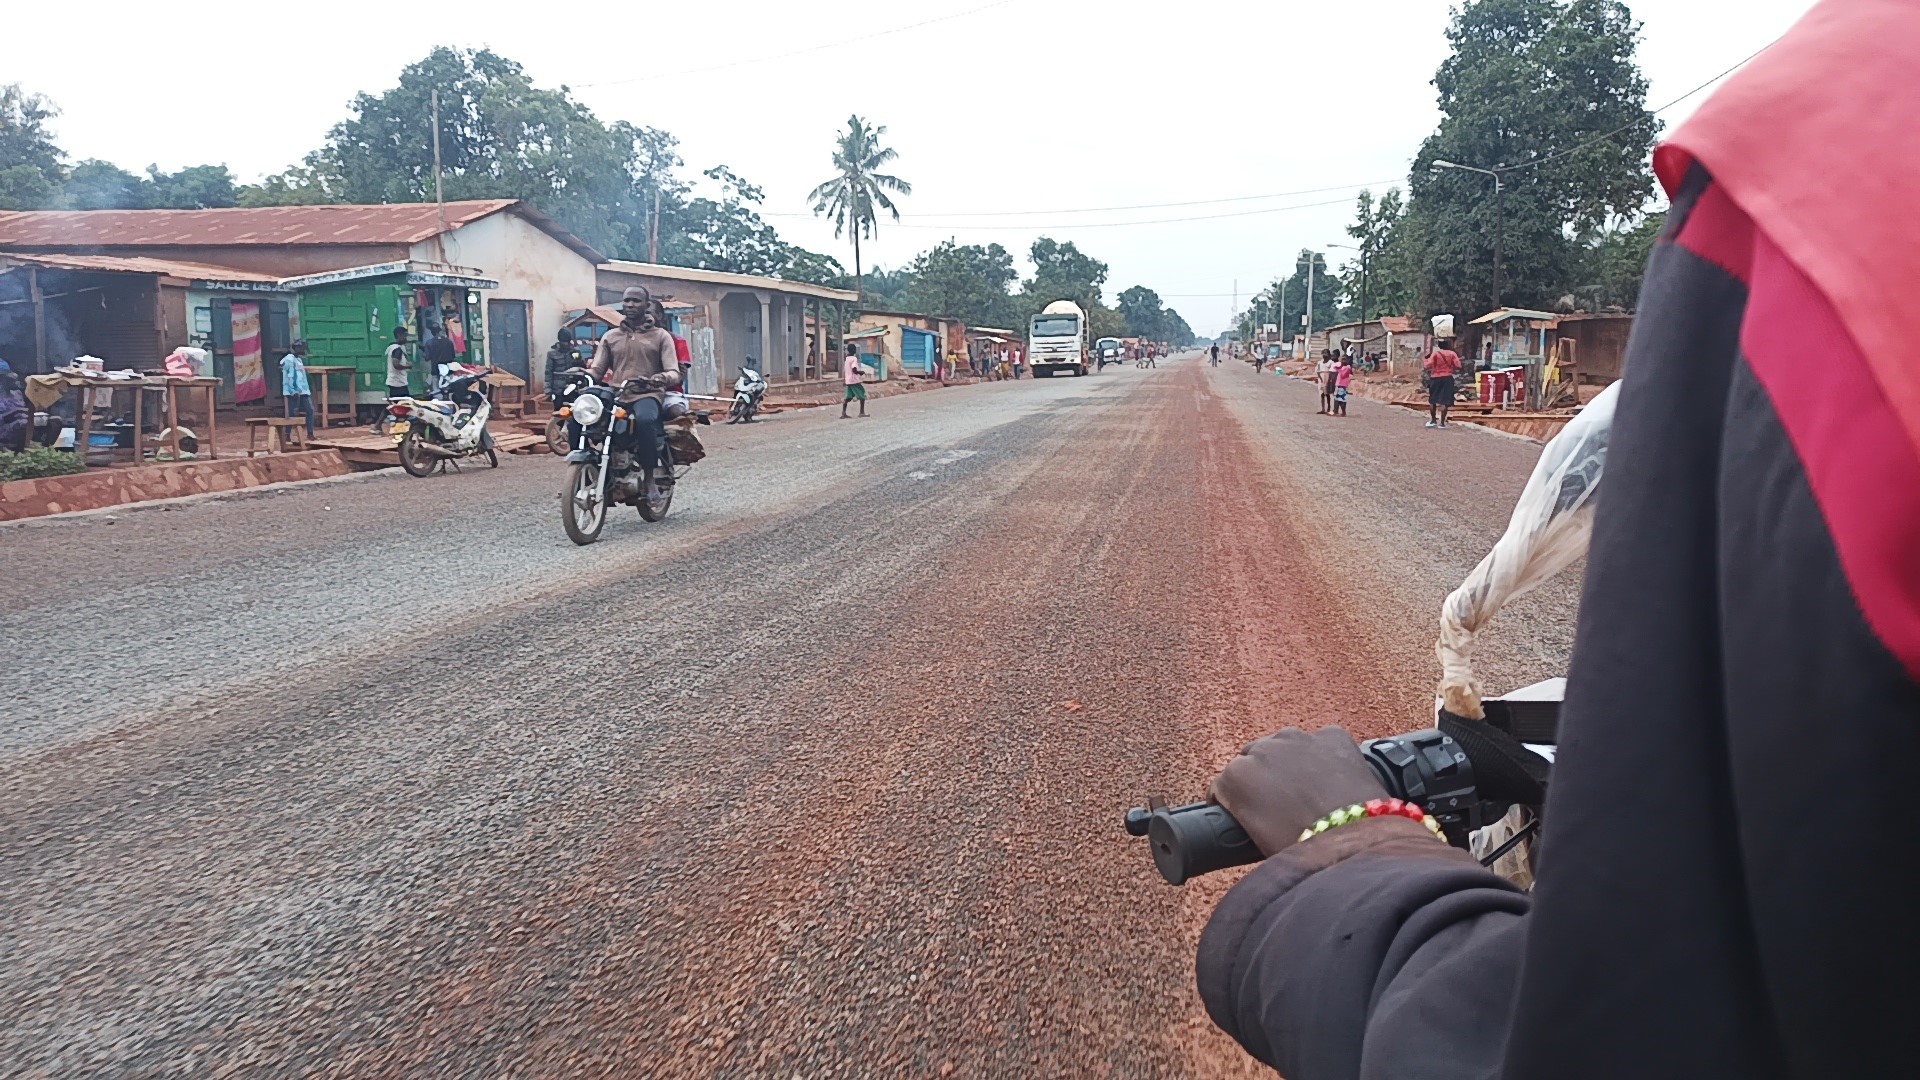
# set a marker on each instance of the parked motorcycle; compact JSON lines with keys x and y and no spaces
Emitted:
{"x":445,"y":429}
{"x":571,"y":381}
{"x":604,"y":466}
{"x":748,"y":390}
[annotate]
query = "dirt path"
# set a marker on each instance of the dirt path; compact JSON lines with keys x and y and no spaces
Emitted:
{"x":847,"y":803}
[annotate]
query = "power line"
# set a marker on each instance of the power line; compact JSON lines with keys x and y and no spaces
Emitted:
{"x":1062,"y":225}
{"x":1149,"y":206}
{"x":823,"y":47}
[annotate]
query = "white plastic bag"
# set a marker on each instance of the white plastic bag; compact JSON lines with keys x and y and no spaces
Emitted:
{"x":1548,"y":531}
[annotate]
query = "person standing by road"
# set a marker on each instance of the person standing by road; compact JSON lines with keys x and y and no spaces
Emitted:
{"x":1324,"y":373}
{"x":560,"y":357}
{"x":439,"y":357}
{"x":1342,"y":381}
{"x":851,"y":373}
{"x":397,"y":379}
{"x":1441,"y":367}
{"x":293,"y":384}
{"x":1214,"y":355}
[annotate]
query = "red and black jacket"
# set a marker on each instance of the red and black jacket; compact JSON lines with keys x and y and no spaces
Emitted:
{"x":1728,"y":883}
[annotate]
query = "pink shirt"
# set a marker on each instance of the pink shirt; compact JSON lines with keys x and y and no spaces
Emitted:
{"x":851,"y":371}
{"x":1344,"y":377}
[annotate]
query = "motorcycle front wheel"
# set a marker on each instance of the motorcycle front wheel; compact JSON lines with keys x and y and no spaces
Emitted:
{"x":738,"y":412}
{"x":412,"y":459}
{"x":582,"y":510}
{"x":557,"y":436}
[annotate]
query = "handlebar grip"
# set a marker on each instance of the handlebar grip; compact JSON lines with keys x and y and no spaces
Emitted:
{"x":1188,"y":841}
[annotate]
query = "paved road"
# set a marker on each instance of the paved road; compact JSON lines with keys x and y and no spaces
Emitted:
{"x":819,"y":777}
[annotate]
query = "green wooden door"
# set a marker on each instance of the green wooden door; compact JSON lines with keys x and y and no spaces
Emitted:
{"x":341,"y":326}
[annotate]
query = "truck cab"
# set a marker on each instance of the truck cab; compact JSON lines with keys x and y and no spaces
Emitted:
{"x":1057,"y":340}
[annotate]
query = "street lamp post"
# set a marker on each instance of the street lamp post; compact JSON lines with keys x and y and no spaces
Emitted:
{"x":1499,"y":216}
{"x":1363,"y":285}
{"x":1306,"y":319}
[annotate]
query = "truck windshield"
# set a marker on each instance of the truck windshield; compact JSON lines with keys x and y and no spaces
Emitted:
{"x":1055,"y":325}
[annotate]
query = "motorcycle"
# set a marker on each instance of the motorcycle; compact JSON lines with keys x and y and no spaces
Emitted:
{"x":748,"y":390}
{"x":1482,"y":771}
{"x":604,"y":466}
{"x":568,"y":387}
{"x":446,"y":428}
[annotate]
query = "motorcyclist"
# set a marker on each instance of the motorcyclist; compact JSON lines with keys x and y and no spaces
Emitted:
{"x":639,"y":349}
{"x":1726,"y":870}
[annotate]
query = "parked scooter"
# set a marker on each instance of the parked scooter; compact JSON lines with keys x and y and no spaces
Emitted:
{"x":446,"y":429}
{"x":748,"y":390}
{"x":569,"y":386}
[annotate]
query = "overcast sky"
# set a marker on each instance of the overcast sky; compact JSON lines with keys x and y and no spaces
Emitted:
{"x":1042,"y":112}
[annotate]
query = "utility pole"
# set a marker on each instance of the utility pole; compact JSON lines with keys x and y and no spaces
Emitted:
{"x":653,"y":234}
{"x":439,"y":193}
{"x":1499,"y":219}
{"x":1306,"y":319}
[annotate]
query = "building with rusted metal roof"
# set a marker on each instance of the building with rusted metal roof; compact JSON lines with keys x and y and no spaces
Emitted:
{"x":340,"y":275}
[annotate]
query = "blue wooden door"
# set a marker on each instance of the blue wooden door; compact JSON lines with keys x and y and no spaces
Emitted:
{"x":919,"y":350}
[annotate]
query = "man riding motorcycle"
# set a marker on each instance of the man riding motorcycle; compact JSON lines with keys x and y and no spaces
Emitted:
{"x":640,"y":349}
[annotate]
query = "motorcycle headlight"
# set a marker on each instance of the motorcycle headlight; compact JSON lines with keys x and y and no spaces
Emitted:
{"x":588,"y":409}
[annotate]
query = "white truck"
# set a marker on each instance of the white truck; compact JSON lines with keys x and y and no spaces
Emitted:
{"x":1057,"y":340}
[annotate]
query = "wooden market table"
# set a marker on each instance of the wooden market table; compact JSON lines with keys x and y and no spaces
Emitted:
{"x":170,"y":388}
{"x":319,"y":378}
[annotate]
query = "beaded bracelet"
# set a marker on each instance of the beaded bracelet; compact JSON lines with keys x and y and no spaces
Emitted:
{"x":1374,"y":808}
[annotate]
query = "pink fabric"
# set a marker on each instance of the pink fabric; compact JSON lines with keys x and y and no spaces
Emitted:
{"x":850,"y":371}
{"x":1344,"y":377}
{"x":1815,"y":140}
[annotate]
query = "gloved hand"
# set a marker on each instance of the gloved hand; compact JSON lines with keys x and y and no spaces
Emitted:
{"x":1285,"y":782}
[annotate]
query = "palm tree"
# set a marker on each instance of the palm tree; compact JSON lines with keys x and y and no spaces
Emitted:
{"x":857,"y":188}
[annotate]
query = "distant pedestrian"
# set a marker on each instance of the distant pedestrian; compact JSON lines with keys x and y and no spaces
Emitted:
{"x":560,"y":357}
{"x":852,"y":373}
{"x":1440,"y":368}
{"x":1342,"y":380}
{"x":439,"y":358}
{"x":293,"y":384}
{"x":16,"y":419}
{"x":1324,"y":373}
{"x":1019,"y":364}
{"x":398,"y":366}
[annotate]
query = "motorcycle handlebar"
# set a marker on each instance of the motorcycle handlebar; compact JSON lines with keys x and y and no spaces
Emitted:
{"x":1188,"y":841}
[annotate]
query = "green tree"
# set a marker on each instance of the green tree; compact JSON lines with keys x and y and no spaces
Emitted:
{"x":1614,"y":261}
{"x":858,"y":189}
{"x":1549,"y":93}
{"x":971,"y":283}
{"x":199,"y":187}
{"x":500,"y":137}
{"x":1285,"y":300}
{"x":32,"y":166}
{"x":1382,"y":278}
{"x":101,"y":185}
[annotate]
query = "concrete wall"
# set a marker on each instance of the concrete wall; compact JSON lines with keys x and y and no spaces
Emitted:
{"x":529,"y":265}
{"x":735,"y":314}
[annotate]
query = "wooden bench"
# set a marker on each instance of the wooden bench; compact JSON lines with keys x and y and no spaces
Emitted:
{"x":280,"y":431}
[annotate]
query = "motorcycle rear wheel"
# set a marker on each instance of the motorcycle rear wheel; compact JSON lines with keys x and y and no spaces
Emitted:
{"x":492,"y":455}
{"x":582,"y":511}
{"x":412,"y":459}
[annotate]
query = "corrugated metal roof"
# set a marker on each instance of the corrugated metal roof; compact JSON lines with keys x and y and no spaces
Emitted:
{"x":1514,"y":313}
{"x":138,"y":265}
{"x":716,"y":277}
{"x":1396,"y":324}
{"x":397,"y":223}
